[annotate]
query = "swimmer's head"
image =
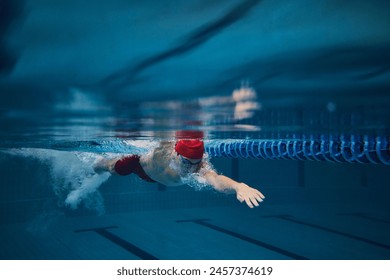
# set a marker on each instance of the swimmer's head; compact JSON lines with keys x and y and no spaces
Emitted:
{"x":191,"y":149}
{"x":189,"y":144}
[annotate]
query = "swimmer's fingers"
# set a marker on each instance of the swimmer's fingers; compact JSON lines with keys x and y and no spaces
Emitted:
{"x":259,"y":196}
{"x":254,"y":201}
{"x":251,"y":196}
{"x":249,"y":202}
{"x":254,"y":197}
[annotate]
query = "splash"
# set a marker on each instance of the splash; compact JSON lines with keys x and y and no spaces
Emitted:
{"x":73,"y":179}
{"x":196,"y":181}
{"x":191,"y":177}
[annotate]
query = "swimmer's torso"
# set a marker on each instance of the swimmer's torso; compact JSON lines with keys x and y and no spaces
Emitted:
{"x":157,"y":164}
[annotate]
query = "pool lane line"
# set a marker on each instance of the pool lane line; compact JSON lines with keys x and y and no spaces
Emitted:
{"x":103,"y":231}
{"x":278,"y":250}
{"x":365,"y":216}
{"x":351,"y":236}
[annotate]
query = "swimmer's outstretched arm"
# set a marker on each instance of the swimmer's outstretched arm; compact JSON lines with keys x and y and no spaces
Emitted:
{"x":221,"y":183}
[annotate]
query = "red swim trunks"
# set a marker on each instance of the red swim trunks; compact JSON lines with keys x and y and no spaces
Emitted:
{"x":130,"y":164}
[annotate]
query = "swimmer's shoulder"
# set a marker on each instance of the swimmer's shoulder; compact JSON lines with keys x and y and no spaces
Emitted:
{"x":166,"y":144}
{"x":164,"y":148}
{"x":160,"y":154}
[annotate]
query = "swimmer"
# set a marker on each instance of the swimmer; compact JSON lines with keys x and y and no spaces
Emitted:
{"x":171,"y":161}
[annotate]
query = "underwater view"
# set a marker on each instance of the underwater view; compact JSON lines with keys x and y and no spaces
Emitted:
{"x":194,"y":130}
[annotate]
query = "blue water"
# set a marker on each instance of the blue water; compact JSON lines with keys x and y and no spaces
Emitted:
{"x":292,"y":99}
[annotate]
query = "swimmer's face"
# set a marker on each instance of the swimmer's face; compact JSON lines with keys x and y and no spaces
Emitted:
{"x":188,"y":163}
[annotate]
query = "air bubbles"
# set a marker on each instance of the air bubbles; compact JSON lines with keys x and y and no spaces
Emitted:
{"x":331,"y":107}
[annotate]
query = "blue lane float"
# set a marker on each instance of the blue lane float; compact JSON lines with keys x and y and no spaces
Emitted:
{"x":333,"y":148}
{"x":351,"y":148}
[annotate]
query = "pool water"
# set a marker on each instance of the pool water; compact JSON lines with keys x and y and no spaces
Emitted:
{"x":292,"y":99}
{"x":55,"y":207}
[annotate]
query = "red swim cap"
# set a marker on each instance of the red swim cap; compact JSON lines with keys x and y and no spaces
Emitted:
{"x":189,"y":143}
{"x":192,"y":149}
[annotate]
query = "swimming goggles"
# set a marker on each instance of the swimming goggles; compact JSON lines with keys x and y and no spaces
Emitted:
{"x":187,"y":161}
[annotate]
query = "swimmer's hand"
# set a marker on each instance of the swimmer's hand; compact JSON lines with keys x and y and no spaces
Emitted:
{"x":251,"y":196}
{"x":221,"y":183}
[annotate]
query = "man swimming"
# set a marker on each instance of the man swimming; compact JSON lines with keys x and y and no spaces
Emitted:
{"x":170,"y":162}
